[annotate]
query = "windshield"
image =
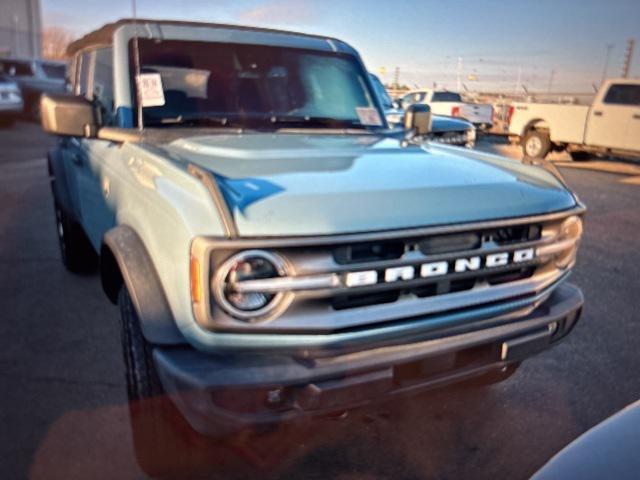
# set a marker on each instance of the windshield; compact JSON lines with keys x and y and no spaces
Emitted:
{"x":256,"y":85}
{"x":53,"y":70}
{"x":446,"y":97}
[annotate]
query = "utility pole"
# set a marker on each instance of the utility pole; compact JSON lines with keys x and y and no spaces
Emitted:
{"x":551,"y":75}
{"x":627,"y":58}
{"x":458,"y":81}
{"x":518,"y":81}
{"x":606,"y":63}
{"x":396,"y":78}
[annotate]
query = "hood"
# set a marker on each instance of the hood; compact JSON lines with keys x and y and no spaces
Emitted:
{"x":306,"y":184}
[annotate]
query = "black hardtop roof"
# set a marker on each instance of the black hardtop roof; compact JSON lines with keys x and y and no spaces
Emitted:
{"x":104,"y":34}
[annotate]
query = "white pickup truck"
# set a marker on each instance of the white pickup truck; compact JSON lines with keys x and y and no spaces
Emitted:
{"x":444,"y":102}
{"x":610,"y":125}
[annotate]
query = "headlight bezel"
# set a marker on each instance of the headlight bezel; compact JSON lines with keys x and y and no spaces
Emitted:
{"x":571,"y":230}
{"x":563,"y":248}
{"x":219,"y":287}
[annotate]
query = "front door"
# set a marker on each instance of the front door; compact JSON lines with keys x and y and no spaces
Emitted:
{"x":610,"y":123}
{"x":90,"y":156}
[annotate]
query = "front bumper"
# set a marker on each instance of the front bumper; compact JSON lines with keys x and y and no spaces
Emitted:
{"x":222,"y":393}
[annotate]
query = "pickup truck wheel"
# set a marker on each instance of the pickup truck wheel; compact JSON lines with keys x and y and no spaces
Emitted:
{"x":165,"y":445}
{"x":536,"y":144}
{"x":76,"y":251}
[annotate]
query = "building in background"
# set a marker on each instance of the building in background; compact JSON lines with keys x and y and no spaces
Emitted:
{"x":20,"y":28}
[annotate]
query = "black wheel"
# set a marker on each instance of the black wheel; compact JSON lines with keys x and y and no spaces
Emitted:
{"x":77,"y":253}
{"x":579,"y":156}
{"x":165,"y":445}
{"x":536,"y":144}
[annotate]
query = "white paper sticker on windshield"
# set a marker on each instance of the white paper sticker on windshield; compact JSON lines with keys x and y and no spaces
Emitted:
{"x":369,"y":116}
{"x":150,"y":88}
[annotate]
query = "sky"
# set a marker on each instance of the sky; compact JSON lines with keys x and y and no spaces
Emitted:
{"x":550,"y":45}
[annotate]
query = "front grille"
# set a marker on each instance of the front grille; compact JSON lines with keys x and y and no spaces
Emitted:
{"x":449,"y":137}
{"x":368,"y":252}
{"x":357,"y":280}
{"x":441,"y":287}
{"x":469,"y":243}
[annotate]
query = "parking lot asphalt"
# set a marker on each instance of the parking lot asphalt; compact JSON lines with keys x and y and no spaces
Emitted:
{"x":63,"y":411}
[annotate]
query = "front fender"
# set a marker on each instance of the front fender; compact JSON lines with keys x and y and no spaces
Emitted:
{"x":126,"y":261}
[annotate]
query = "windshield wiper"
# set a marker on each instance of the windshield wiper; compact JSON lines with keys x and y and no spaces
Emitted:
{"x":190,"y":119}
{"x":310,"y":121}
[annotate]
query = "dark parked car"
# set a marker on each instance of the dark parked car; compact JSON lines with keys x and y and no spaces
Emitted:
{"x":608,"y":450}
{"x":34,"y":77}
{"x":10,"y":101}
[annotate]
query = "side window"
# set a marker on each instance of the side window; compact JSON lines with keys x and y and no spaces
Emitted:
{"x":623,"y":94}
{"x":417,"y":97}
{"x":102,"y":85}
{"x":82,"y":82}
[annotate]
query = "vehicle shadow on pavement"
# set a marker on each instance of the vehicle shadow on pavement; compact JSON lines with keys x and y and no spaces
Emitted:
{"x":435,"y":434}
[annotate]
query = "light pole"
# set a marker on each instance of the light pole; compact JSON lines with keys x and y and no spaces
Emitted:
{"x":16,"y":39}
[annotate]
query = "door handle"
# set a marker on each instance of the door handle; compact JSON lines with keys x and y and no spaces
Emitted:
{"x":597,"y":113}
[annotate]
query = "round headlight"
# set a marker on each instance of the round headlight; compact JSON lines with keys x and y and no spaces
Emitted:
{"x":570,"y":232}
{"x":243,"y":267}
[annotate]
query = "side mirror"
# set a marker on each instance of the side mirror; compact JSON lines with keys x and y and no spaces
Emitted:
{"x":69,"y":115}
{"x":417,"y":118}
{"x":398,"y":103}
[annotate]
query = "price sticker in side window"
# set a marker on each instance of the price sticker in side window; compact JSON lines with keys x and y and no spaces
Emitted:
{"x":369,"y":116}
{"x":150,"y":88}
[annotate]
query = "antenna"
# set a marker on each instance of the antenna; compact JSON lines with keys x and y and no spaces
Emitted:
{"x":136,"y":63}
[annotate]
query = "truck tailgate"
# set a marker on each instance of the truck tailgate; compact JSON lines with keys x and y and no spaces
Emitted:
{"x":477,"y":113}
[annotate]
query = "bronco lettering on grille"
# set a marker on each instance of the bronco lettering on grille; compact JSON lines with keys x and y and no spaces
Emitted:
{"x":435,"y":269}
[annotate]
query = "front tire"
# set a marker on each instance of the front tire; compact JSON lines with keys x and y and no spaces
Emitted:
{"x":165,"y":445}
{"x":536,"y":144}
{"x":76,"y":250}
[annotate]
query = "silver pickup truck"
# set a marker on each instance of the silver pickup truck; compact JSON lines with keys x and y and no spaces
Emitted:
{"x":276,"y":251}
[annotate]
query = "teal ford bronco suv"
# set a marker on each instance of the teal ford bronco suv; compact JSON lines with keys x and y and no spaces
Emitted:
{"x":276,"y":250}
